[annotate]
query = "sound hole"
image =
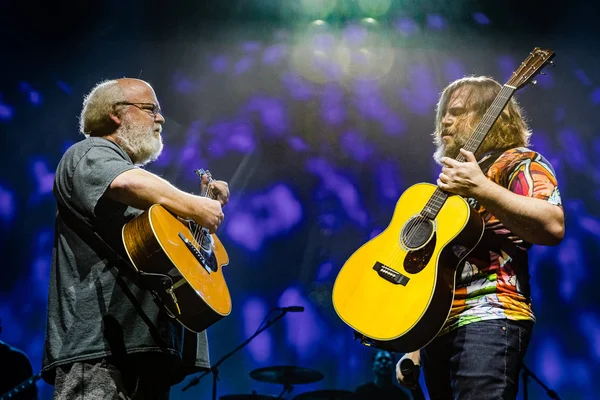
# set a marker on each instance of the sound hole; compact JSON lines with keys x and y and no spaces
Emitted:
{"x":415,"y":261}
{"x":416,"y":232}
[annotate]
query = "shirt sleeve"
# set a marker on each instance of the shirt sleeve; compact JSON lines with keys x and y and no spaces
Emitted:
{"x":528,"y":173}
{"x":93,"y":174}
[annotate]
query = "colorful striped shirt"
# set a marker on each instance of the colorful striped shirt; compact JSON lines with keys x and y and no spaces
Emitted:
{"x":493,"y":283}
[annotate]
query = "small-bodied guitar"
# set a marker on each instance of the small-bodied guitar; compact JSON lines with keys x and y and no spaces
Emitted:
{"x":396,"y":291}
{"x":159,"y":243}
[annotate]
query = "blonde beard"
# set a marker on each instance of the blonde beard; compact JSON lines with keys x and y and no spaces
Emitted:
{"x":142,"y":145}
{"x":459,"y":139}
{"x":453,"y":149}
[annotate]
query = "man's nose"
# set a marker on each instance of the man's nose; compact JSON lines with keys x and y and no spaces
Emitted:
{"x":447,"y":119}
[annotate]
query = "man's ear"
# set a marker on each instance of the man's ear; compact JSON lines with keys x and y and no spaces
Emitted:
{"x":115,"y":119}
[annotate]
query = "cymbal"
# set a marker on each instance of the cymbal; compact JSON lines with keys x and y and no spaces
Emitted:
{"x":286,"y":374}
{"x":246,"y":397}
{"x":325,"y":395}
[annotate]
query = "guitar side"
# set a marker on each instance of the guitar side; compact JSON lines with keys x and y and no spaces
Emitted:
{"x":398,"y":299}
{"x":153,"y":245}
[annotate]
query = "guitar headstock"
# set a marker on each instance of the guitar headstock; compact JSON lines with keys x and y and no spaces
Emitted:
{"x":529,"y":68}
{"x":202,"y":172}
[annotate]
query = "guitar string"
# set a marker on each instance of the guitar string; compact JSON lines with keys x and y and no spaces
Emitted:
{"x":486,"y":120}
{"x":203,"y":230}
{"x":415,"y":221}
{"x":475,"y":137}
{"x":198,"y":229}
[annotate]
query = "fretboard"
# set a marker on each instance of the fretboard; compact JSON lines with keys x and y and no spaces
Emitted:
{"x":438,"y":198}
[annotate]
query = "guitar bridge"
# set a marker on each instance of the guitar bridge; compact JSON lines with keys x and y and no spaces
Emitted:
{"x":390,"y":274}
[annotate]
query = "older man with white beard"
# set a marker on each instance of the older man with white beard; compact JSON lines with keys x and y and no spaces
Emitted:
{"x":106,"y":338}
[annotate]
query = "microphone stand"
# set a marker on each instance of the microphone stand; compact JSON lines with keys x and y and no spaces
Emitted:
{"x":526,"y":374}
{"x":215,"y":368}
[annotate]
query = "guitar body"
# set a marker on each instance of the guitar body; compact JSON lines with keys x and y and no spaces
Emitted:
{"x":398,"y":297}
{"x":396,"y":291}
{"x":155,"y":243}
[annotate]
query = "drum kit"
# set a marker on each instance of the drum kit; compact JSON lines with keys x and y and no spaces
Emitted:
{"x":288,"y":376}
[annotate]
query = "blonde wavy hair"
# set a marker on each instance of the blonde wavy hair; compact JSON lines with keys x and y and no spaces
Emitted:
{"x":509,"y":131}
{"x":97,"y":106}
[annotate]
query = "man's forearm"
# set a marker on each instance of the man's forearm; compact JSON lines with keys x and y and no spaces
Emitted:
{"x":533,"y":220}
{"x":141,"y":189}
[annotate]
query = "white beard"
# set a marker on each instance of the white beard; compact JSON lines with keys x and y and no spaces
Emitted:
{"x":142,"y":144}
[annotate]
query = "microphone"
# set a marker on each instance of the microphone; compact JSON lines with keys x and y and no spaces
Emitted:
{"x":291,"y":309}
{"x":411,"y":378}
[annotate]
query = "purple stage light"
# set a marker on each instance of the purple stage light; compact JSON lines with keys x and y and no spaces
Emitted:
{"x":454,"y":69}
{"x":355,"y":35}
{"x":44,"y":177}
{"x":595,"y":97}
{"x":242,"y":138}
{"x":406,"y":26}
{"x":436,"y":21}
{"x":332,"y":105}
{"x":507,"y":65}
{"x":576,"y":149}
{"x":550,"y":361}
{"x":303,"y":330}
{"x":242,"y":229}
{"x":324,"y":271}
{"x":273,"y":114}
{"x":243,"y":65}
{"x":388,"y":182}
{"x":220,"y":64}
{"x":582,"y":77}
{"x":183,"y":84}
{"x":570,"y":257}
{"x":35,"y":98}
{"x":589,"y":325}
{"x":263,"y":216}
{"x":251,"y":46}
{"x":274,"y":54}
{"x":298,"y":144}
{"x":355,"y":145}
{"x":7,"y":205}
{"x":341,"y":187}
{"x":422,"y":93}
{"x":65,"y":87}
{"x":298,"y":88}
{"x":254,"y":310}
{"x":481,"y":18}
{"x":6,"y":112}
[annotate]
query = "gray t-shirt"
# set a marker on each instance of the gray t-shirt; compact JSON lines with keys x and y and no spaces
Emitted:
{"x":95,"y":309}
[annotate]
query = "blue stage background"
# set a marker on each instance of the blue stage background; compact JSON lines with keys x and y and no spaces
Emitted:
{"x":319,"y":124}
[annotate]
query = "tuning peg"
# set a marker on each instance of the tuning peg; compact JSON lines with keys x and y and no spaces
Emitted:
{"x":552,"y":63}
{"x":534,"y":82}
{"x":542,"y":73}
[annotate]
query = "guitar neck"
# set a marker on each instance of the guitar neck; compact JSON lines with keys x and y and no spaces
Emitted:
{"x":438,"y":198}
{"x":488,"y":120}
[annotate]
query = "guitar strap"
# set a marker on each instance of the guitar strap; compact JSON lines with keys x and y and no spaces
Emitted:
{"x":490,"y":160}
{"x":155,"y":282}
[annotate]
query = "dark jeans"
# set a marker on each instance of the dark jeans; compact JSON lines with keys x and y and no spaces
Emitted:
{"x":104,"y":379}
{"x":480,"y":360}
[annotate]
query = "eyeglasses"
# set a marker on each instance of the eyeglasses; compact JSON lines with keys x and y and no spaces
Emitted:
{"x":150,"y":108}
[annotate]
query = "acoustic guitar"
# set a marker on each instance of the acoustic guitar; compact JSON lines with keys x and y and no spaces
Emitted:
{"x":189,"y":256}
{"x":396,"y":291}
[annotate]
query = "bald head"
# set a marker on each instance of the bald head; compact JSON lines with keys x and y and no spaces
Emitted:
{"x":99,"y":103}
{"x":135,"y":90}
